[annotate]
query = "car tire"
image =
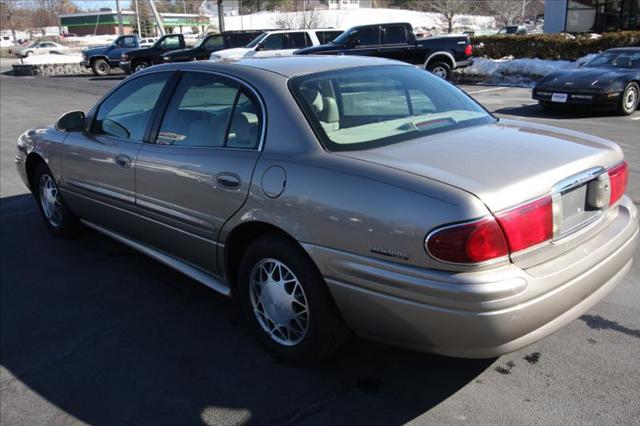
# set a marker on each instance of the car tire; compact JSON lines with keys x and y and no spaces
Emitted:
{"x":139,"y":66}
{"x":57,"y":217}
{"x":629,"y":99}
{"x":441,"y":69}
{"x":101,"y":68}
{"x":286,"y":302}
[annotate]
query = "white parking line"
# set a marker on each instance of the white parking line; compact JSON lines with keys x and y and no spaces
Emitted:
{"x":488,"y":90}
{"x":636,"y":118}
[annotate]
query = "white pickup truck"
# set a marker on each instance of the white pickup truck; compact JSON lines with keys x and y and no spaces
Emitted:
{"x":278,"y":43}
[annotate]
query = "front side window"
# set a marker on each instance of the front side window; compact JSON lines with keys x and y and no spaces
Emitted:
{"x":274,"y":42}
{"x":215,"y":42}
{"x":363,"y":108}
{"x":210,"y":111}
{"x":170,"y":43}
{"x":126,"y":113}
{"x":129,"y":42}
{"x":369,"y":37}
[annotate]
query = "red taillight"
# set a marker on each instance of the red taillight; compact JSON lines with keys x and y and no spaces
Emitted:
{"x":468,"y":243}
{"x":528,"y":225}
{"x":618,"y":177}
{"x":487,"y":239}
{"x":468,"y":50}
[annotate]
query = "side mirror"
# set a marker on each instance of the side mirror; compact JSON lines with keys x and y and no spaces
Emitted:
{"x":74,"y":120}
{"x":259,"y":47}
{"x":354,"y":42}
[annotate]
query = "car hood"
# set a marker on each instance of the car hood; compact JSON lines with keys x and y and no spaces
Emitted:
{"x":94,"y":50}
{"x":503,"y":164}
{"x":586,"y":77}
{"x":179,"y":52}
{"x":235,"y":53}
{"x":319,"y":49}
{"x":140,"y":51}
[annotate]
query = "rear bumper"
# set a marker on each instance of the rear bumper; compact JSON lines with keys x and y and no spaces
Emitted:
{"x":478,"y":314}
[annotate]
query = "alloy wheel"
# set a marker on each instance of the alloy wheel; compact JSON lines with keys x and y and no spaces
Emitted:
{"x":630,"y":99}
{"x":279,"y":302}
{"x":50,"y":200}
{"x":440,"y":72}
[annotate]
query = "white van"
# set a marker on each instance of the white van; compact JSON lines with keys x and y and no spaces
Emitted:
{"x":278,"y":43}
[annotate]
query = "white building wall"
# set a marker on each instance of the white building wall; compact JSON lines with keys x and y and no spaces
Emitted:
{"x":555,"y":15}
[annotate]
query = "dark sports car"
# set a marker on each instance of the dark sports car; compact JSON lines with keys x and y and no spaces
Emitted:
{"x":610,"y":79}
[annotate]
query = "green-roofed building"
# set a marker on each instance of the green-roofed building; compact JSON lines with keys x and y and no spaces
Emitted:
{"x":106,"y":22}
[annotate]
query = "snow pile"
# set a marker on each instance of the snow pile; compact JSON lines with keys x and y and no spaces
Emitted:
{"x":52,"y":58}
{"x":347,"y":18}
{"x":523,"y":72}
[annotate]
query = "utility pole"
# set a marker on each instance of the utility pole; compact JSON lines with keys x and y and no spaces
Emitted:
{"x":138,"y":19}
{"x":220,"y":16}
{"x":156,"y":15}
{"x":120,"y":28}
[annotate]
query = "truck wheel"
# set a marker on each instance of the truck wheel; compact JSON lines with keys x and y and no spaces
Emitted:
{"x":441,"y":69}
{"x":287,"y":303}
{"x":100,"y":67}
{"x":139,"y":66}
{"x":630,"y":99}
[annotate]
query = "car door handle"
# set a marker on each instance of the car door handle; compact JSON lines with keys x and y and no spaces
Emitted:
{"x":122,"y":160}
{"x":228,"y":180}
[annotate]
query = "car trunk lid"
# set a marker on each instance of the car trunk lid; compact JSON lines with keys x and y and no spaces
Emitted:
{"x":504,"y":164}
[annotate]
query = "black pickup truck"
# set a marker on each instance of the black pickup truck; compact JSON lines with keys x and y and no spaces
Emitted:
{"x":137,"y":59}
{"x":440,"y":55}
{"x":212,"y":43}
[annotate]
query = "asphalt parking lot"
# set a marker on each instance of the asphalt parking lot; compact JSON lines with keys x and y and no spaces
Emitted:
{"x":93,"y":332}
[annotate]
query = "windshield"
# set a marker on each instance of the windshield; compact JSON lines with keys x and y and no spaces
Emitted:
{"x":363,"y":108}
{"x":344,"y":37}
{"x":256,"y":41}
{"x":615,"y":60}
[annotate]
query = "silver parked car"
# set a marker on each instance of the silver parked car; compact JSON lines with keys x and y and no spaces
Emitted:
{"x":332,"y":194}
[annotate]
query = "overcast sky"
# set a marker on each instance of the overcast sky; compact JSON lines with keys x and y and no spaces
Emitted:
{"x":96,"y":4}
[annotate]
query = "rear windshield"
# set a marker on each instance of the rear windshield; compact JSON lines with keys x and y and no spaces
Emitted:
{"x":362,"y":108}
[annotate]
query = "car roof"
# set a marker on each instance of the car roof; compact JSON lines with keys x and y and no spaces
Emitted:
{"x":303,"y":30}
{"x":290,"y":66}
{"x":286,"y":66}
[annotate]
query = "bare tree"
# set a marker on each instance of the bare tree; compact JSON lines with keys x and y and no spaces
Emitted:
{"x":507,"y":12}
{"x":304,"y":19}
{"x":449,"y":11}
{"x":7,"y":17}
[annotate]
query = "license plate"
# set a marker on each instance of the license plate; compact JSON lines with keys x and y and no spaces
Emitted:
{"x":559,"y":97}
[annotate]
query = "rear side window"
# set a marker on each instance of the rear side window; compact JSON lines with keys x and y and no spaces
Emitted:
{"x":298,"y":40}
{"x":395,"y":35}
{"x":210,"y":111}
{"x":126,"y":112}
